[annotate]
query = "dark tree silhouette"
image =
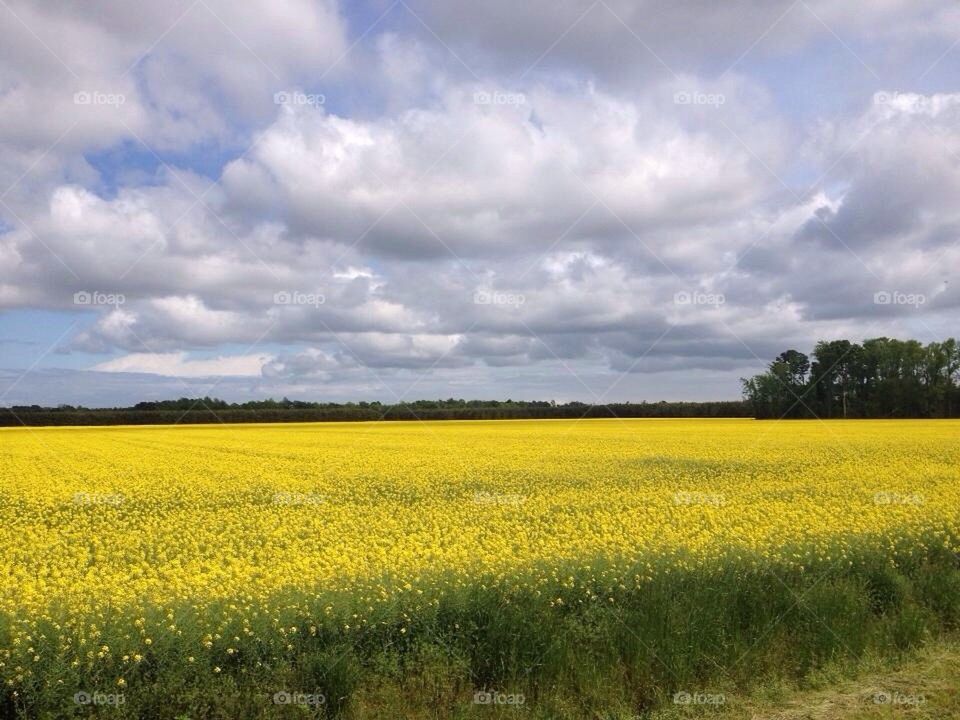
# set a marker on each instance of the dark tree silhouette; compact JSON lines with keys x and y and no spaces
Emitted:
{"x":879,"y":378}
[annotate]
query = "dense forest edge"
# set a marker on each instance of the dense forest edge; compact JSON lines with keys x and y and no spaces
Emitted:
{"x":879,"y":378}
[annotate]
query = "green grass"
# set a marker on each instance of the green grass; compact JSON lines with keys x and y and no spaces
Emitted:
{"x":734,"y":631}
{"x":923,"y":684}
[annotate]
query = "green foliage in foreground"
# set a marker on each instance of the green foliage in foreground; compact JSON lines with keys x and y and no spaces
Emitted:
{"x":701,"y":637}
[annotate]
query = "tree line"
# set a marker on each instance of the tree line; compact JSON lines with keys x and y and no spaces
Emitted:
{"x":879,"y":378}
{"x":213,"y":410}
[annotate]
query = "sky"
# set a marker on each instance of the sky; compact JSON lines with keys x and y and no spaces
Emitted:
{"x":599,"y":201}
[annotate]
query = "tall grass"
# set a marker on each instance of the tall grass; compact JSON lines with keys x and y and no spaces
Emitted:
{"x":577,"y":649}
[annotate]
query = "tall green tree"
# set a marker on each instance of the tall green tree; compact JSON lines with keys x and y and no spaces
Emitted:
{"x":883,"y":377}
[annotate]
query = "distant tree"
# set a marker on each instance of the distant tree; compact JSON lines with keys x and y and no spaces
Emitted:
{"x":797,"y":366}
{"x":883,"y":377}
{"x":831,"y":374}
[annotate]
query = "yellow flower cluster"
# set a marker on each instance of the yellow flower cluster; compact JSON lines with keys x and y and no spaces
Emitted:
{"x":130,"y":517}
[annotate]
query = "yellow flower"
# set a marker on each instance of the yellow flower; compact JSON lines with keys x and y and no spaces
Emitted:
{"x":235,"y":516}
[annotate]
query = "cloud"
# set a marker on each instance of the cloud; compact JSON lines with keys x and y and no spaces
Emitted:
{"x":76,"y":80}
{"x":177,"y":364}
{"x":642,"y":231}
{"x":625,"y":40}
{"x":402,"y":217}
{"x":471,"y":178}
{"x":893,"y":224}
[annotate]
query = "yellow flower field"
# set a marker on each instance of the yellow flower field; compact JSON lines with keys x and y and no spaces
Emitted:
{"x":126,"y":518}
{"x":119,"y":514}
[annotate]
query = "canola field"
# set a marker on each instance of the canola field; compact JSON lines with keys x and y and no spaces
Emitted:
{"x":461,"y":568}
